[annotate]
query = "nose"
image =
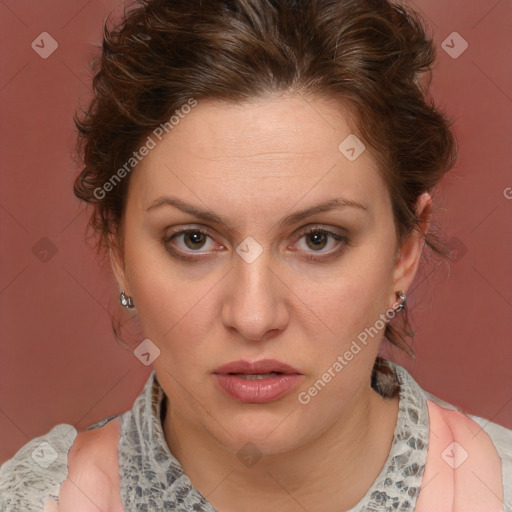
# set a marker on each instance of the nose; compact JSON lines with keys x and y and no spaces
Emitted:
{"x":256,"y":303}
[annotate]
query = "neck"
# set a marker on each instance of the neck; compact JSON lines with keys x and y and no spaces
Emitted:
{"x":332,"y":472}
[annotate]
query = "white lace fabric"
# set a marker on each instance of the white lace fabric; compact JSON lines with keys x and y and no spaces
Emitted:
{"x":152,"y":478}
{"x":34,"y":475}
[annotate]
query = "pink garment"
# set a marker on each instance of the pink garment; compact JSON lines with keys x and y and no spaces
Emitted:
{"x":462,"y":472}
{"x":93,"y":473}
{"x":463,"y":477}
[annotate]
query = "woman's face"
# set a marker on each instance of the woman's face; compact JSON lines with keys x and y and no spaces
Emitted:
{"x":252,"y":284}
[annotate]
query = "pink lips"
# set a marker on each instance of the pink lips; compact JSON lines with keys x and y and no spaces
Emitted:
{"x":261,"y":390}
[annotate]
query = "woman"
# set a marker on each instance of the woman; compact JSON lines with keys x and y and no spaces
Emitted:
{"x":261,"y":175}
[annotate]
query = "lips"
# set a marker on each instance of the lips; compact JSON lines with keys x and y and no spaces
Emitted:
{"x":258,"y":382}
{"x":263,"y":366}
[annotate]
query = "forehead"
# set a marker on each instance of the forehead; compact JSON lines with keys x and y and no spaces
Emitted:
{"x":277,"y":148}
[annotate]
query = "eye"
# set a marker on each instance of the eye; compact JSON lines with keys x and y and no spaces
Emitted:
{"x":189,"y":241}
{"x":313,"y":242}
{"x":316,"y":239}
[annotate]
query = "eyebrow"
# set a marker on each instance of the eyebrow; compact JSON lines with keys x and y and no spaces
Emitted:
{"x":209,"y":215}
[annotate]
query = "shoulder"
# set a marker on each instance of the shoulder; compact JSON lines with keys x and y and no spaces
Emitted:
{"x":65,"y":470}
{"x":467,"y":444}
{"x":469,"y":458}
{"x":500,"y":436}
{"x":93,"y":482}
{"x":34,"y":474}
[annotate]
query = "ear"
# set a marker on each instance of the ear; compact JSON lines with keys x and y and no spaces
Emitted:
{"x":116,"y":262}
{"x":408,"y":257}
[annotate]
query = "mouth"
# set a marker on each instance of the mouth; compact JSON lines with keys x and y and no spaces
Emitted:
{"x":256,"y":376}
{"x":262,"y":367}
{"x":257,"y":382}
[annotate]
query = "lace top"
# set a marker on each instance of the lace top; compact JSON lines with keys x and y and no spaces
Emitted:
{"x":153,"y":479}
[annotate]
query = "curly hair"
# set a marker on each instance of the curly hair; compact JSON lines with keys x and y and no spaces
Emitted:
{"x":372,"y":56}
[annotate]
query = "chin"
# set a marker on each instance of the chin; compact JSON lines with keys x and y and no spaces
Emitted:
{"x":266,"y":433}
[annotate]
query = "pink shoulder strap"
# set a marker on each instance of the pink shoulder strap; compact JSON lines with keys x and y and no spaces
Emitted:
{"x":93,"y":473}
{"x":463,"y":469}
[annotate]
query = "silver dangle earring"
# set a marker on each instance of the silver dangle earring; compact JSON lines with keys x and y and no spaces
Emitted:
{"x":403,"y":299}
{"x":126,"y":301}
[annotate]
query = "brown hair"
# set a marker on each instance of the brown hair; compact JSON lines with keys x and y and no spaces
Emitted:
{"x":372,"y":56}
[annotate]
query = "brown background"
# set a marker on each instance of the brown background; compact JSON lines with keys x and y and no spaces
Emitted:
{"x":59,"y":362}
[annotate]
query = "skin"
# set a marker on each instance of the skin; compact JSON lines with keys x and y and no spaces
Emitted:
{"x":253,"y":164}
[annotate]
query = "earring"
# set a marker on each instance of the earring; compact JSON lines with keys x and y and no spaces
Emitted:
{"x":126,"y":301}
{"x":403,"y":299}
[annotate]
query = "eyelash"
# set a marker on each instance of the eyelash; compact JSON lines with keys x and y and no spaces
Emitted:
{"x":344,"y":241}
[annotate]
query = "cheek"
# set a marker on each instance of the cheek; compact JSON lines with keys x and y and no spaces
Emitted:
{"x":348,"y":299}
{"x":170,"y":309}
{"x":343,"y":357}
{"x":174,"y":309}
